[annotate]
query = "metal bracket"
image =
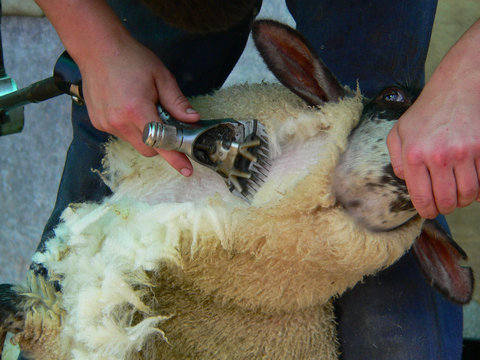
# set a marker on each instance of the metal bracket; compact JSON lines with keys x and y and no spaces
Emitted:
{"x":11,"y":121}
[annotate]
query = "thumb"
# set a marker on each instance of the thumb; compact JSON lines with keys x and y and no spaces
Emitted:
{"x":394,"y":144}
{"x":172,"y":100}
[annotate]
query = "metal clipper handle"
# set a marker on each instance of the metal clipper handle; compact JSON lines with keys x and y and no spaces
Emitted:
{"x":159,"y":135}
{"x":171,"y":134}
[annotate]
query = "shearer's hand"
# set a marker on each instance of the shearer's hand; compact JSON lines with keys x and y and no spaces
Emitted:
{"x":435,"y":145}
{"x":121,"y":93}
{"x":122,"y":80}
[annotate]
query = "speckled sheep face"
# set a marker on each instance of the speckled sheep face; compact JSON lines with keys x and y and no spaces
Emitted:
{"x":365,"y":183}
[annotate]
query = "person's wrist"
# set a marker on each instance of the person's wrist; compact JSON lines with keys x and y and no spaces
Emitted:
{"x":94,"y":54}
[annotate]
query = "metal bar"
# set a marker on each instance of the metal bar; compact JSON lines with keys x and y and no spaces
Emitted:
{"x":39,"y":91}
{"x":2,"y":66}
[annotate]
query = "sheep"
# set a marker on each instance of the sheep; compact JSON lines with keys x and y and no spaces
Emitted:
{"x":178,"y":268}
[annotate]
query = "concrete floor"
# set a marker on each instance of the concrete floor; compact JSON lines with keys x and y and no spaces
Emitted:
{"x":32,"y":161}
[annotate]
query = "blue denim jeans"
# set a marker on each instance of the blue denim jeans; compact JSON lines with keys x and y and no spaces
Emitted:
{"x":393,"y":315}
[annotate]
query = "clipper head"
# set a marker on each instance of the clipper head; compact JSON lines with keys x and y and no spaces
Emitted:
{"x":237,"y":150}
{"x":244,"y":162}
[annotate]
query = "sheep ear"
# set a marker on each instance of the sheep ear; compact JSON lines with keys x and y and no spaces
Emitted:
{"x":291,"y":59}
{"x":439,"y":257}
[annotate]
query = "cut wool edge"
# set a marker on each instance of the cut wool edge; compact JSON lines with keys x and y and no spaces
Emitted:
{"x":292,"y":249}
{"x":106,"y":261}
{"x":108,"y":340}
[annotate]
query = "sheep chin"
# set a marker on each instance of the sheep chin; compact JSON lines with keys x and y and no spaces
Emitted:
{"x":364,"y":181}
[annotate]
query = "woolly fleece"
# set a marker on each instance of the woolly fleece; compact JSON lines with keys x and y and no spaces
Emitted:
{"x":178,"y":268}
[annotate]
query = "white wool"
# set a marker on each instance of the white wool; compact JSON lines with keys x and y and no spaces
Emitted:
{"x":103,"y":260}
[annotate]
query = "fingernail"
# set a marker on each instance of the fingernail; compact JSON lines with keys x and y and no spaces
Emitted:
{"x":186,"y":172}
{"x":191,"y":111}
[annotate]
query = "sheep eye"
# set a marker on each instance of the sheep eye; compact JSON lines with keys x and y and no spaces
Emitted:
{"x":393,"y":95}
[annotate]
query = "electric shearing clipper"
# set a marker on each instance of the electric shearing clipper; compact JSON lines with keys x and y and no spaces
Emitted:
{"x":237,"y":150}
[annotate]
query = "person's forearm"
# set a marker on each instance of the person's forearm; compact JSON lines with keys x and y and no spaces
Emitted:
{"x":463,"y":59}
{"x":85,"y":27}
